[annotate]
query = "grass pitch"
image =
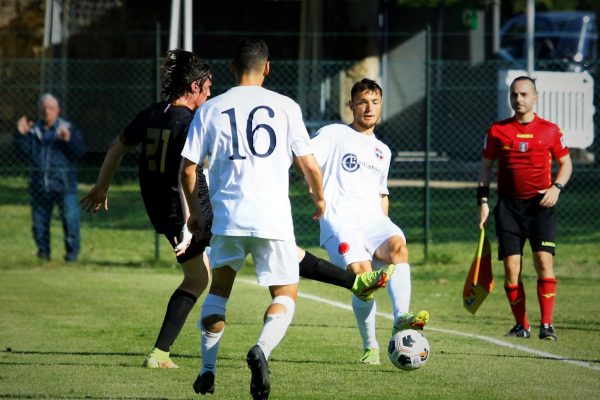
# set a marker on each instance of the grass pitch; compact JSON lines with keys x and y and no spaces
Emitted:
{"x":82,"y":330}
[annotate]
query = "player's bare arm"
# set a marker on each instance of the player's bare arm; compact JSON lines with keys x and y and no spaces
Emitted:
{"x":485,"y":175}
{"x":187,"y":180}
{"x":312,"y":174}
{"x":385,"y":203}
{"x":185,"y":237}
{"x":97,"y":196}
{"x":565,"y":169}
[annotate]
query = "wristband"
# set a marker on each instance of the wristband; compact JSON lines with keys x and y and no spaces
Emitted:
{"x":482,"y":191}
{"x":558,"y":185}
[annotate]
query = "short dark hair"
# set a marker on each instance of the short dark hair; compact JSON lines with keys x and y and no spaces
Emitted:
{"x":180,"y":68}
{"x":524,"y":78}
{"x":250,"y":54}
{"x":365,"y":85}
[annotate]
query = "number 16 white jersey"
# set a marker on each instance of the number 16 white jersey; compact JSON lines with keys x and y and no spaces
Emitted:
{"x":249,"y":134}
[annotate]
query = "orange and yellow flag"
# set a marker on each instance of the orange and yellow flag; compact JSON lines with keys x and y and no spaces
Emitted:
{"x":480,"y":280}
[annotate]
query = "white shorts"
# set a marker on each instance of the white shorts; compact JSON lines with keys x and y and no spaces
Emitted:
{"x":353,"y":245}
{"x":276,"y":261}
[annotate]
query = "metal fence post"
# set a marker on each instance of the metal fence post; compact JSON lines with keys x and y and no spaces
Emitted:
{"x":157,"y":95}
{"x":426,"y":187}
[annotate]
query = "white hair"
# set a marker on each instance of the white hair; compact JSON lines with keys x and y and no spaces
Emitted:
{"x":47,"y":96}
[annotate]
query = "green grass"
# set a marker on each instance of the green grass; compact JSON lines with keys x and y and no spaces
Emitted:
{"x":82,"y":330}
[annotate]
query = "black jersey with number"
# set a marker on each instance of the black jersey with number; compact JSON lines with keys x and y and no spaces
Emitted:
{"x":162,"y":131}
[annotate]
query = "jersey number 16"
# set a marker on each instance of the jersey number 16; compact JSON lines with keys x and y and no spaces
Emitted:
{"x":250,"y":132}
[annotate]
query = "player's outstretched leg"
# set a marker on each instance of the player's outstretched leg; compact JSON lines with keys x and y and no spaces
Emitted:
{"x":366,"y":284}
{"x":260,"y":384}
{"x":411,"y":321}
{"x":159,"y":359}
{"x":205,"y":383}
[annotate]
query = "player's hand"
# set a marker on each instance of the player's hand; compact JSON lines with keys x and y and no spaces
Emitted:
{"x":484,"y":212}
{"x":185,"y":239}
{"x":320,"y":209}
{"x":24,"y":125}
{"x":96,"y":198}
{"x":550,"y":196}
{"x":196,"y":226}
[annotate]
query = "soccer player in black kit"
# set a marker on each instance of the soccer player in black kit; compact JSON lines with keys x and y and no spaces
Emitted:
{"x":162,"y":130}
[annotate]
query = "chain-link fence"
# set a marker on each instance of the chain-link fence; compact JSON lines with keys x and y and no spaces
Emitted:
{"x":435,"y":136}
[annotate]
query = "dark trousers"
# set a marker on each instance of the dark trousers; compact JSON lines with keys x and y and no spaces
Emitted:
{"x":42,"y":204}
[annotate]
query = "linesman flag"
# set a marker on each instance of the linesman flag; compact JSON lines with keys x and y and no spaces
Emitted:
{"x":480,"y":280}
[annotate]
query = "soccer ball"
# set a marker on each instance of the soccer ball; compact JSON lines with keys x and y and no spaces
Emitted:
{"x":408,"y":350}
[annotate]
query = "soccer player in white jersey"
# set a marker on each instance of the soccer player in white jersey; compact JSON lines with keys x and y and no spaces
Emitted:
{"x":355,"y":230}
{"x":251,"y":136}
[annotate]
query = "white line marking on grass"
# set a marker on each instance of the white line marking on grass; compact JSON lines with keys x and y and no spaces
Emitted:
{"x":488,"y":339}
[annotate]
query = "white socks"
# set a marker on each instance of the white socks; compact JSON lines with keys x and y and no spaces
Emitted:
{"x":399,"y":289}
{"x":276,"y":325}
{"x":209,"y":341}
{"x":365,"y":313}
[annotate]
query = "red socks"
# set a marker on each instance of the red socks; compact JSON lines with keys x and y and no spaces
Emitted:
{"x":516,"y":299}
{"x":546,"y":290}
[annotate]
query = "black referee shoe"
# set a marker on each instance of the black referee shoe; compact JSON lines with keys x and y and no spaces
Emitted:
{"x":547,"y":332}
{"x":519,"y":331}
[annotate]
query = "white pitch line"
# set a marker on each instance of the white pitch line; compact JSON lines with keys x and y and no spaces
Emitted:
{"x":488,"y":339}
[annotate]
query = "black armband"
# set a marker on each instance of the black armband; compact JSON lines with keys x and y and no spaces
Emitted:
{"x":483,"y":191}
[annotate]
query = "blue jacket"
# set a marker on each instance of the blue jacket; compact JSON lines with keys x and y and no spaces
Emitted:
{"x":53,"y":161}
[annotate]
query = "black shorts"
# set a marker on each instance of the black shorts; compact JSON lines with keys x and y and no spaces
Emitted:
{"x":519,"y":220}
{"x":163,"y":206}
{"x":196,"y":247}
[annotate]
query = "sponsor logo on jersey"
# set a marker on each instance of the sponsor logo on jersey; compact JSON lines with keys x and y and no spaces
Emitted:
{"x":350,"y":162}
{"x":525,"y":135}
{"x":378,"y":153}
{"x":343,"y":248}
{"x":523,"y":146}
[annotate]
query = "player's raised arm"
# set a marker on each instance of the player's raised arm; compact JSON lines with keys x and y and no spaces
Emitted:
{"x":312,"y":174}
{"x":97,"y":196}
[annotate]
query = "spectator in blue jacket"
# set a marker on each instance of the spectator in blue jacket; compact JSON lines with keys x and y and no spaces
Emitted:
{"x":53,"y":145}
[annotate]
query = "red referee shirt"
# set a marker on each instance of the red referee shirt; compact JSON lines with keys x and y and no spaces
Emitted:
{"x":524,"y":153}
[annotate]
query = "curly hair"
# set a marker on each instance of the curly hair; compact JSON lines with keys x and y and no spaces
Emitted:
{"x":180,"y":68}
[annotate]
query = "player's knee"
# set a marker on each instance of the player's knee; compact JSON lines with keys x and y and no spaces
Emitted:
{"x":212,"y":323}
{"x":213,"y":313}
{"x":360,"y":267}
{"x":281,"y":307}
{"x":398,"y":252}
